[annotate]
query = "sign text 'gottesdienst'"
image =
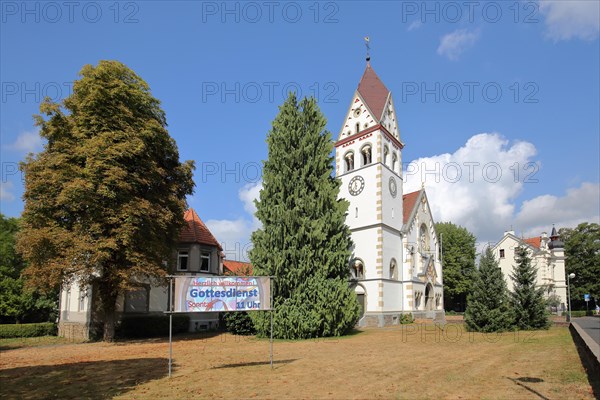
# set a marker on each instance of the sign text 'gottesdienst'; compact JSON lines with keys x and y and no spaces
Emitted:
{"x":222,"y":293}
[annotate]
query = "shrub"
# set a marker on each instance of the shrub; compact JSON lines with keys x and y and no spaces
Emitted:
{"x":239,"y":323}
{"x":406,"y":319}
{"x":27,"y":330}
{"x":151,"y":326}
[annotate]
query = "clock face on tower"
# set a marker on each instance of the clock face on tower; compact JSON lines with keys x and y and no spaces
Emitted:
{"x":393,"y":187}
{"x":356,"y":185}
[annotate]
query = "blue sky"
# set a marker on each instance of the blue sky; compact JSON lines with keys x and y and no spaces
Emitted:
{"x":504,"y":86}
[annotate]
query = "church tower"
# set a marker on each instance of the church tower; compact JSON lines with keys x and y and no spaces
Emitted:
{"x":557,"y":266}
{"x":369,"y":165}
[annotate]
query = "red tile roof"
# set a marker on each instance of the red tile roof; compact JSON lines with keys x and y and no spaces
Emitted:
{"x":534,"y":241}
{"x":408,"y":203}
{"x":237,"y":267}
{"x":196,"y":231}
{"x":373,"y":92}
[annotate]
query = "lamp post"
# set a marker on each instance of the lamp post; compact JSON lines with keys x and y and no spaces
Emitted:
{"x":569,"y":277}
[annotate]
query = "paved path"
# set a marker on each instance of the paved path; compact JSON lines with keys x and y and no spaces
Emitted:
{"x":591,"y":326}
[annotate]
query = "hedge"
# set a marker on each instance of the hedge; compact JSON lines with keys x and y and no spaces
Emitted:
{"x":578,"y":313}
{"x":27,"y":330}
{"x":151,"y":326}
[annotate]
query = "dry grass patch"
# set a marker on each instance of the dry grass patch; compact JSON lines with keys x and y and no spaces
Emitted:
{"x":408,"y":361}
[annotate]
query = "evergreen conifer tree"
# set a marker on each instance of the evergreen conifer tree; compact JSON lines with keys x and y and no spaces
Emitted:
{"x":304,"y":241}
{"x":528,"y":301}
{"x":488,"y":304}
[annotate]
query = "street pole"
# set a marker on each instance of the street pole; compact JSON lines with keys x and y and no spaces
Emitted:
{"x":569,"y":277}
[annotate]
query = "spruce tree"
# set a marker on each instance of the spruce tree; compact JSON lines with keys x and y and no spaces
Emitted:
{"x":488,"y":304}
{"x":528,"y":301}
{"x":304,"y":241}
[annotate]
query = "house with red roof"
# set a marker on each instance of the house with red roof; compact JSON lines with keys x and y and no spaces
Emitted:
{"x":197,"y":253}
{"x":395,"y":265}
{"x":547,"y":255}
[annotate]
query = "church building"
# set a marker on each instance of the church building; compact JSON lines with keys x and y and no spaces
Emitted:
{"x":395,"y":265}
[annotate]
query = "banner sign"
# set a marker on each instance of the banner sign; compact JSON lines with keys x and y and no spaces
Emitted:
{"x":222,"y":293}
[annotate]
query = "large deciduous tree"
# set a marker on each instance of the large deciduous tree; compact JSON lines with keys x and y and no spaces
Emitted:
{"x":528,"y":300}
{"x":458,"y":263}
{"x":104,"y":200}
{"x":582,"y":252}
{"x":488,"y":303}
{"x":304,"y":241}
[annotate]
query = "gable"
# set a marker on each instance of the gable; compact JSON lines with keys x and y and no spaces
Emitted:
{"x":358,"y":113}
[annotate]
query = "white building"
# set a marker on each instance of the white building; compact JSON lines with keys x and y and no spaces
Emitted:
{"x":395,"y":259}
{"x":198,"y":253}
{"x":547,"y":255}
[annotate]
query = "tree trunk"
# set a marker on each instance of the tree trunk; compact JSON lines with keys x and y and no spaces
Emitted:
{"x":109,"y":326}
{"x":108,"y":297}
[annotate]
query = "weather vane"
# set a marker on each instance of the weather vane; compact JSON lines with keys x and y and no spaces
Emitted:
{"x":368,"y":48}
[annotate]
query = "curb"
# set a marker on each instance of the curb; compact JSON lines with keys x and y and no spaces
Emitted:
{"x":590,"y":349}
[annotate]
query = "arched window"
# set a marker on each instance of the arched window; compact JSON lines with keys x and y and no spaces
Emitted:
{"x":349,"y":159}
{"x":386,"y":151}
{"x":357,"y":127}
{"x":393,"y":269}
{"x":358,"y":269}
{"x":394,"y":161}
{"x":366,"y":154}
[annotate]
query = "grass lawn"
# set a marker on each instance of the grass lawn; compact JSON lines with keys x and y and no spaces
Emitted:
{"x":408,"y":361}
{"x":15,"y":343}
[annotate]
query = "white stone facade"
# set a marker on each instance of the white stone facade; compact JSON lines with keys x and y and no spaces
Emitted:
{"x":395,"y":259}
{"x":547,"y":256}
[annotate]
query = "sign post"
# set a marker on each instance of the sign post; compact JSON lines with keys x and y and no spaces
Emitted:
{"x":271,"y":304}
{"x":170,"y":325}
{"x":586,"y":297}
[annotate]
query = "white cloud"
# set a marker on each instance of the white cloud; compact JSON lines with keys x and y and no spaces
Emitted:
{"x":477,"y":187}
{"x":578,"y":205}
{"x":234,"y":235}
{"x":5,"y":191}
{"x":248,"y":194}
{"x":452,"y":45}
{"x":416,"y":24}
{"x":27,"y":142}
{"x":571,"y":19}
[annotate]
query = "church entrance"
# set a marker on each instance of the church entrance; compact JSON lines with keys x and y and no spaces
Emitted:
{"x":361,"y":296}
{"x":429,"y":301}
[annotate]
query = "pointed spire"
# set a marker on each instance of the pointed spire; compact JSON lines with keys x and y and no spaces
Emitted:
{"x":367,"y":40}
{"x":373,"y":92}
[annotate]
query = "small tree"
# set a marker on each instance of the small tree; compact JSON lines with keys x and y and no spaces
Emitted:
{"x":304,"y":241}
{"x":528,"y":301}
{"x":104,"y":200}
{"x":458,"y":263}
{"x":488,"y":304}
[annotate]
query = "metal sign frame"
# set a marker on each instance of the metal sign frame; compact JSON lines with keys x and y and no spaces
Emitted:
{"x":171,"y":312}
